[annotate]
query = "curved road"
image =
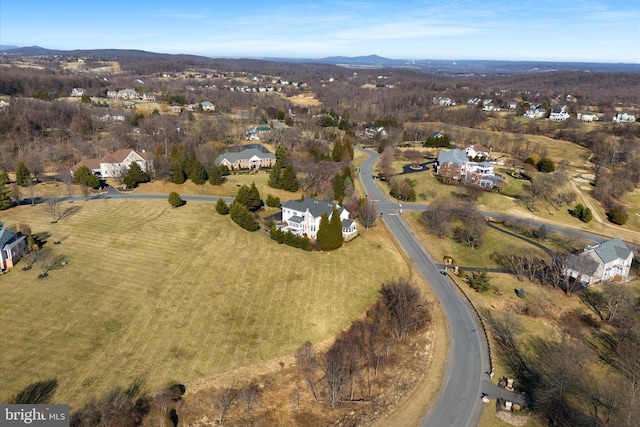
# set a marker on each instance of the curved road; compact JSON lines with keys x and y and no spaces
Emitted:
{"x":459,"y":402}
{"x":468,"y":364}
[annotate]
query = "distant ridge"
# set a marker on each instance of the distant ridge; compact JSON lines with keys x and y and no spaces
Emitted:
{"x":438,"y":66}
{"x":7,"y":47}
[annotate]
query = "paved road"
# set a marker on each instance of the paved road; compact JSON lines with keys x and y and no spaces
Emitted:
{"x":459,"y":401}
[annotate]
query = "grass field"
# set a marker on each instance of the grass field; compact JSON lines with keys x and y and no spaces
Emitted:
{"x":172,"y":295}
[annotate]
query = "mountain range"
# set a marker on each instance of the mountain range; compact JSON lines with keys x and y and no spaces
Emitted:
{"x":438,"y":66}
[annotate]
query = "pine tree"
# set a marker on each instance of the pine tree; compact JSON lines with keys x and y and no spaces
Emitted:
{"x":335,"y":225}
{"x":198,"y":173}
{"x":135,"y":176}
{"x":275,"y":177}
{"x":81,"y":174}
{"x":281,"y":155}
{"x":249,"y":197}
{"x":338,"y":152}
{"x":289,"y":182}
{"x":256,"y":200}
{"x":23,"y":175}
{"x":215,"y":175}
{"x":338,"y":188}
{"x":5,"y":192}
{"x":241,"y":216}
{"x":323,"y":237}
{"x":178,"y":176}
{"x":174,"y":199}
{"x":221,"y":207}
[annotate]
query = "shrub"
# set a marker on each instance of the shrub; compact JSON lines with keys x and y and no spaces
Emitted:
{"x":174,"y":199}
{"x":582,"y":213}
{"x":618,"y":215}
{"x":546,"y":165}
{"x":273,"y":201}
{"x":479,"y":281}
{"x":241,"y":216}
{"x":221,"y":207}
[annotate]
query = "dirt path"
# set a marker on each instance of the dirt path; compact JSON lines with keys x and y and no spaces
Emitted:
{"x":629,"y":235}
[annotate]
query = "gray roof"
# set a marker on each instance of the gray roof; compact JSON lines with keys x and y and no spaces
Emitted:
{"x":316,"y":207}
{"x":244,"y":155}
{"x":347,"y":223}
{"x":582,"y":264}
{"x":458,"y":157}
{"x":5,"y":236}
{"x":611,"y":250}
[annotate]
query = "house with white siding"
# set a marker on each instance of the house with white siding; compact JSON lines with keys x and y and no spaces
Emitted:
{"x":12,"y":248}
{"x":303,"y":217}
{"x":600,"y":263}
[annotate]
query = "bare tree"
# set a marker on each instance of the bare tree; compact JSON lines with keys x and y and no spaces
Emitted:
{"x":249,"y":395}
{"x":438,"y":217}
{"x":334,"y":364}
{"x":307,"y":364}
{"x":222,"y":400}
{"x":408,"y":309}
{"x":52,"y":206}
{"x":368,"y":213}
{"x":48,"y":261}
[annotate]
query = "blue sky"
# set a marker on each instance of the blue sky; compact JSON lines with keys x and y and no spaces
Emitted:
{"x":539,"y":30}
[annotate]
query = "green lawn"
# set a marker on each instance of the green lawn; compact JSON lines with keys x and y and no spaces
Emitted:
{"x":172,"y":294}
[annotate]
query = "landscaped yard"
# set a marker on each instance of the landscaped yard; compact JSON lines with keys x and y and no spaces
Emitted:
{"x":172,"y":295}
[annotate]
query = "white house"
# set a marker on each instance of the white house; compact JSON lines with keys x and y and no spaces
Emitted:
{"x":478,"y":150}
{"x":303,"y":217}
{"x":536,"y":113}
{"x":600,"y":263}
{"x":12,"y":248}
{"x":444,"y":101}
{"x":558,"y":115}
{"x":116,"y":164}
{"x":149,"y":96}
{"x":490,"y":106}
{"x":208,"y":106}
{"x":588,"y":116}
{"x":624,"y":117}
{"x":77,"y":92}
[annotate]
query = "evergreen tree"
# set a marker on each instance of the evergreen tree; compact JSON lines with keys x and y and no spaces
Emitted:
{"x":323,"y":237}
{"x":178,"y":176}
{"x":256,"y":200}
{"x":348,"y":148}
{"x":275,"y":177}
{"x":221,"y":207}
{"x":198,"y":173}
{"x":215,"y":175}
{"x":5,"y":192}
{"x":289,"y":181}
{"x":249,"y":197}
{"x":338,"y":188}
{"x":174,"y":199}
{"x":329,"y":235}
{"x":23,"y":175}
{"x":135,"y":176}
{"x":346,"y":173}
{"x":337,"y":153}
{"x":93,"y":181}
{"x":224,"y":170}
{"x":281,"y":155}
{"x":335,"y":224}
{"x":81,"y":175}
{"x":241,"y":216}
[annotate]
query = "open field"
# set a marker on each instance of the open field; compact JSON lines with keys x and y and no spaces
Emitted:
{"x":172,"y":294}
